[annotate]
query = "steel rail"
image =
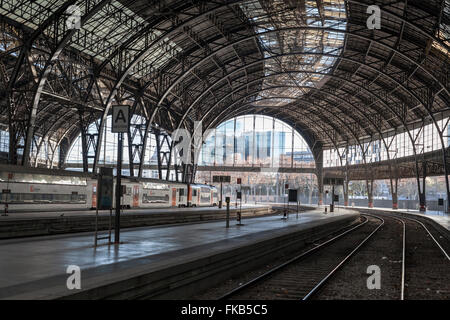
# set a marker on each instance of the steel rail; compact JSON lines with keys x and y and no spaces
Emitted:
{"x":328,"y":276}
{"x":392,"y":215}
{"x":424,"y":227}
{"x":432,"y":237}
{"x":289,"y":262}
{"x":402,"y":286}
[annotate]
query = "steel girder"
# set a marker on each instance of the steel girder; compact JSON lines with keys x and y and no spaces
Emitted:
{"x":436,"y":89}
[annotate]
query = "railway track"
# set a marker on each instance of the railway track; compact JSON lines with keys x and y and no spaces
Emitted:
{"x":418,"y":268}
{"x":287,"y":280}
{"x":426,"y":262}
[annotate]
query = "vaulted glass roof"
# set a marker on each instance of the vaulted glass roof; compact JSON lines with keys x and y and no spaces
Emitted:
{"x":294,"y":57}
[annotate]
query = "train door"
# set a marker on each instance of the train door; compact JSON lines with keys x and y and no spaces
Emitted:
{"x":135,"y":196}
{"x":94,"y":195}
{"x":182,"y":200}
{"x":189,"y":197}
{"x":174,"y":197}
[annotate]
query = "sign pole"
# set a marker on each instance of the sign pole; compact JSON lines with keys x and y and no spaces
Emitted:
{"x":332,"y":199}
{"x":240,"y":202}
{"x":228,"y":214}
{"x":118,"y":189}
{"x":7,"y":192}
{"x":120,"y":125}
{"x":221,"y":195}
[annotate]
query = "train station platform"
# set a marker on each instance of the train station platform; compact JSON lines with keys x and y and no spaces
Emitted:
{"x":36,"y":214}
{"x":25,"y":224}
{"x":154,"y":262}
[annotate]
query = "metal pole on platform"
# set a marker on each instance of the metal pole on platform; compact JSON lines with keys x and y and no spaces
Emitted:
{"x":228,"y":212}
{"x":118,"y":189}
{"x":332,"y":199}
{"x":8,"y":192}
{"x":96,"y":226}
{"x":221,"y":195}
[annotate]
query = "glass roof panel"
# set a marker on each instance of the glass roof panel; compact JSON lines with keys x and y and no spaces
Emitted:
{"x":294,"y":57}
{"x":101,"y":35}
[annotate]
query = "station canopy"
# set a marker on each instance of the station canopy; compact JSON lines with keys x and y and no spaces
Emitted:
{"x":312,"y":64}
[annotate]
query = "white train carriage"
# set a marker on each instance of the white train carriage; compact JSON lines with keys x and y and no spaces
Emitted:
{"x":32,"y":189}
{"x":196,"y":195}
{"x":36,"y":191}
{"x":202,"y":195}
{"x":157,"y":194}
{"x":131,"y":196}
{"x":147,"y":193}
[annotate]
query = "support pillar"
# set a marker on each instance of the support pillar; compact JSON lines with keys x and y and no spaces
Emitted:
{"x":346,"y":176}
{"x":394,"y":201}
{"x":63,"y":151}
{"x":394,"y":189}
{"x":369,"y":185}
{"x":345,"y":186}
{"x":422,"y":196}
{"x":319,"y":174}
{"x":158,"y":151}
{"x":346,"y":193}
{"x":448,"y":202}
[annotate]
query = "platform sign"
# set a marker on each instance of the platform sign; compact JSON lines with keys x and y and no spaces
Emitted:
{"x":239,"y":181}
{"x":286,"y":186}
{"x":292,"y":195}
{"x":105,"y":188}
{"x":221,"y":179}
{"x":333,"y":181}
{"x":120,"y":119}
{"x":6,"y":191}
{"x":336,"y":198}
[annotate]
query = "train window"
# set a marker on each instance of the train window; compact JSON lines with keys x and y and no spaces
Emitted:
{"x":45,"y":198}
{"x":128,"y":191}
{"x":194,"y":192}
{"x":42,"y":178}
{"x":162,"y":198}
{"x":181,"y":192}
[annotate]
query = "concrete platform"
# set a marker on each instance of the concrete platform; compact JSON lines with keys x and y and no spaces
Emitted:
{"x":152,"y":258}
{"x":47,"y":223}
{"x":86,"y":212}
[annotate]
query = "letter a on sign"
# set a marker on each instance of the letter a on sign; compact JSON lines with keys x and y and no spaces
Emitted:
{"x":120,"y":119}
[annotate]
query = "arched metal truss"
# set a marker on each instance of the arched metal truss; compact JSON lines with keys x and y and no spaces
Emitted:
{"x":176,"y":62}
